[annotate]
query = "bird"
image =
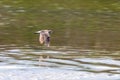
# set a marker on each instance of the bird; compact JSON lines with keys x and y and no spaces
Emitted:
{"x":44,"y":37}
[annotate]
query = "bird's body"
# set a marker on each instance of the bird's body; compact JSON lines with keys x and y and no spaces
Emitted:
{"x":44,"y":37}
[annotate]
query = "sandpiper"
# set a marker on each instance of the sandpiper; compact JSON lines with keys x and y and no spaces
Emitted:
{"x":44,"y":37}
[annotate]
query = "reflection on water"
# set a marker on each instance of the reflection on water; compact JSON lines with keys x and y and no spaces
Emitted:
{"x":63,"y":57}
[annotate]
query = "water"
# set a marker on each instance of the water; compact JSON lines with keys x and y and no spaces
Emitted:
{"x":56,"y":61}
{"x":63,"y":57}
{"x":85,"y":38}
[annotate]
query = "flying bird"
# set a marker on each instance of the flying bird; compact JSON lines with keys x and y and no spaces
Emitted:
{"x":44,"y":37}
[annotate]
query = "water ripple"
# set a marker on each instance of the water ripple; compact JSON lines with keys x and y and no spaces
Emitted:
{"x":69,"y":58}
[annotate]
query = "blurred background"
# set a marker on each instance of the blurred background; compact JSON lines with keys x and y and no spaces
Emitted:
{"x":81,"y":23}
